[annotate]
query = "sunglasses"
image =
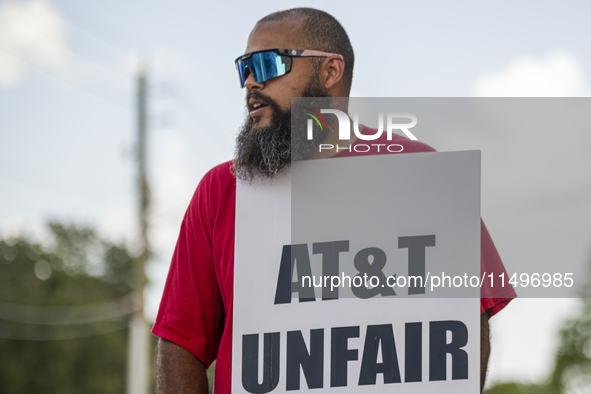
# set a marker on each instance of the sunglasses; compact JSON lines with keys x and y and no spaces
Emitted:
{"x":271,"y":63}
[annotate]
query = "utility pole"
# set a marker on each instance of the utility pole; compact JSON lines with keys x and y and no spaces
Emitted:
{"x":138,"y":375}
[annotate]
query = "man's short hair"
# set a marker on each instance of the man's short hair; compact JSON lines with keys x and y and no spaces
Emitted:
{"x":322,"y":32}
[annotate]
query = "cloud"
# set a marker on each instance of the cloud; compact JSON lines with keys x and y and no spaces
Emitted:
{"x":13,"y":227}
{"x":173,"y":187}
{"x":32,"y":33}
{"x":164,"y":62}
{"x":535,"y":194}
{"x":529,"y":150}
{"x":357,"y":93}
{"x":119,"y":223}
{"x":558,"y":74}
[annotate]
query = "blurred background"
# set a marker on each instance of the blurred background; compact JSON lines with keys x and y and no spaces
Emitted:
{"x":112,"y":111}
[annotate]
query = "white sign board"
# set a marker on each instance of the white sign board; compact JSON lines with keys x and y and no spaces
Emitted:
{"x":388,"y":216}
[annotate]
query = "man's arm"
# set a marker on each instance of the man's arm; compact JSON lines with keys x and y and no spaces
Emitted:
{"x":484,"y":347}
{"x":178,"y":371}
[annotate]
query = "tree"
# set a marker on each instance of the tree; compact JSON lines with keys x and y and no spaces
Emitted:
{"x":572,"y":365}
{"x":518,"y":388}
{"x":572,"y":370}
{"x":63,"y":313}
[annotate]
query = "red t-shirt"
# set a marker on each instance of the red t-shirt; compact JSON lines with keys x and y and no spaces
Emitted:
{"x":196,"y":307}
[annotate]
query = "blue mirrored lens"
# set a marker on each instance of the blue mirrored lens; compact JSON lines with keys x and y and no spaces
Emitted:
{"x":266,"y":65}
{"x":241,"y":66}
{"x":263,"y":66}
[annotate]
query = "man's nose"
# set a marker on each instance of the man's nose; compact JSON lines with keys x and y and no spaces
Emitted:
{"x":251,"y":82}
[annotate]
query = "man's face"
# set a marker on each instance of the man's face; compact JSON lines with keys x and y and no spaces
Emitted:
{"x":264,"y":143}
{"x":268,"y":35}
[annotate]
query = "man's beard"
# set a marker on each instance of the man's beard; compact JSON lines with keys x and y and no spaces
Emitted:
{"x":265,"y":152}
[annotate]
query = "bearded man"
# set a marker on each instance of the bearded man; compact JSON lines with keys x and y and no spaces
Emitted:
{"x":300,"y":52}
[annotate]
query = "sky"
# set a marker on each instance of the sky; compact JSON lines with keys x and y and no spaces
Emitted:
{"x":67,"y":124}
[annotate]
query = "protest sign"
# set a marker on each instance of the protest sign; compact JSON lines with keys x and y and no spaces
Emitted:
{"x":368,"y":221}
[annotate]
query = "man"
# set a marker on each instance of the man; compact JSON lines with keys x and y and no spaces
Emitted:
{"x":195,"y":317}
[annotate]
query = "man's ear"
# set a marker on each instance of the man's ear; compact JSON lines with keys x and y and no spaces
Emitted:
{"x":331,"y":71}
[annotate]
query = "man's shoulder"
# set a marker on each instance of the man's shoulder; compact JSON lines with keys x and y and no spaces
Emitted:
{"x":221,"y":172}
{"x":215,"y":191}
{"x":220,"y":176}
{"x":217,"y":182}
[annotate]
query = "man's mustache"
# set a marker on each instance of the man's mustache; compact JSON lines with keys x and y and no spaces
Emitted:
{"x":256,"y":95}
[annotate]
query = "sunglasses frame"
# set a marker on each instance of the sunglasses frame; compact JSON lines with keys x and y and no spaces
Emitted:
{"x":288,"y":53}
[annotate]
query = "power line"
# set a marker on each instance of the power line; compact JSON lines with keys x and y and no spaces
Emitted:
{"x":173,"y":100}
{"x":32,"y":29}
{"x":92,"y":14}
{"x":37,"y":333}
{"x":63,"y":80}
{"x":68,"y":315}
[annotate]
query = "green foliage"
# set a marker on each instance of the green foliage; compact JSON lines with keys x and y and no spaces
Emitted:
{"x":518,"y":388}
{"x":210,"y":376}
{"x":54,"y":300}
{"x":572,"y":371}
{"x":572,"y":366}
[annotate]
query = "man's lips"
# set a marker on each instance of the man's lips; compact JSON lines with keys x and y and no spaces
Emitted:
{"x":256,"y":107}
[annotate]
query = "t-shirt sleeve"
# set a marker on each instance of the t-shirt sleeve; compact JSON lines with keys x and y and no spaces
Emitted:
{"x":191,"y":311}
{"x":495,"y":297}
